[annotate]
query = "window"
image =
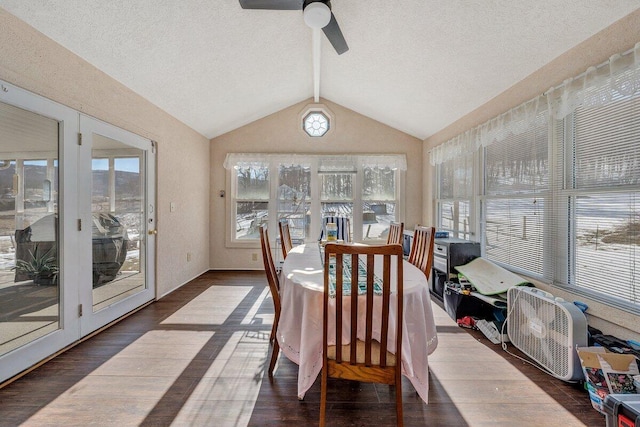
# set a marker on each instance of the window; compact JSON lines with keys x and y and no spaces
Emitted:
{"x":560,"y":175}
{"x":294,"y":198}
{"x":337,"y":181}
{"x":454,"y":195}
{"x":516,"y":182}
{"x":379,"y":201}
{"x":251,"y":199}
{"x":316,"y":123}
{"x":337,"y":193}
{"x":603,"y":198}
{"x":309,"y":187}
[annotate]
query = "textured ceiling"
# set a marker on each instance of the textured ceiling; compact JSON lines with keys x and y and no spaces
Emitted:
{"x":415,"y":65}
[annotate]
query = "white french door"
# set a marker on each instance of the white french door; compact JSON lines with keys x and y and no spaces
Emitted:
{"x":117,"y":223}
{"x":77,"y":224}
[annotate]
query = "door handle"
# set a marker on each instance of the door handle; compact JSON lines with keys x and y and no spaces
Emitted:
{"x":153,"y":232}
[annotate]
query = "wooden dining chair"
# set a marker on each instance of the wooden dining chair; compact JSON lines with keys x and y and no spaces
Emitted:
{"x":274,"y":287}
{"x":395,"y":233}
{"x":285,"y":237}
{"x":364,"y":354}
{"x":421,"y":254}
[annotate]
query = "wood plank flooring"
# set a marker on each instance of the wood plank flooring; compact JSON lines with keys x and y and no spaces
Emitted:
{"x":198,"y":357}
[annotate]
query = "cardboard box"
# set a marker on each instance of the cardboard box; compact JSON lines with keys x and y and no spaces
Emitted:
{"x":607,"y":373}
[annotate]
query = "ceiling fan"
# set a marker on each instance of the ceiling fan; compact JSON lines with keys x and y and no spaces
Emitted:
{"x":317,"y":15}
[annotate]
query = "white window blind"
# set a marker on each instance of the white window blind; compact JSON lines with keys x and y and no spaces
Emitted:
{"x":455,"y":192}
{"x":604,"y":198}
{"x":560,"y":174}
{"x":516,"y":182}
{"x":607,"y":231}
{"x":607,"y":145}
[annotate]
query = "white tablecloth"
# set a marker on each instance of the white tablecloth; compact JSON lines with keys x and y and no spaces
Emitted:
{"x":300,"y":328}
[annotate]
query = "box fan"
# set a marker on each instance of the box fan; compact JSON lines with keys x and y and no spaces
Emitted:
{"x":548,"y":330}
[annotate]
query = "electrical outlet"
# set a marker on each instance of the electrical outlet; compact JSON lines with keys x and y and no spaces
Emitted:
{"x":254,"y":256}
{"x":188,"y":256}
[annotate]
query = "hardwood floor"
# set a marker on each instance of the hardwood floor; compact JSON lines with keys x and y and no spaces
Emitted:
{"x":199,"y":357}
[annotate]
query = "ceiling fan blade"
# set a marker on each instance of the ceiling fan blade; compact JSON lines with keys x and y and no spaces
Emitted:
{"x":333,"y":33}
{"x":272,"y":4}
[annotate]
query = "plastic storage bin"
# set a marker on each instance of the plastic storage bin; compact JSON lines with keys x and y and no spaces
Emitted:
{"x":622,"y":410}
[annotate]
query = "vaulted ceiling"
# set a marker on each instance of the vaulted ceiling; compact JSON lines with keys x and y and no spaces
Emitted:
{"x":415,"y":65}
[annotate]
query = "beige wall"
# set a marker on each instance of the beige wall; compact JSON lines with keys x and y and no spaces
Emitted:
{"x":31,"y":61}
{"x":282,"y":133}
{"x":619,"y":37}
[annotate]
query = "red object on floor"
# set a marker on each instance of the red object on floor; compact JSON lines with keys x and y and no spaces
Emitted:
{"x":467,"y":322}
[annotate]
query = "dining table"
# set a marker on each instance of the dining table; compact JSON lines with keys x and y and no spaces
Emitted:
{"x":300,"y":327}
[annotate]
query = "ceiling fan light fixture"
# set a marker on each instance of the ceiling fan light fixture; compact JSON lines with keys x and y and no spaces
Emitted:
{"x":317,"y":15}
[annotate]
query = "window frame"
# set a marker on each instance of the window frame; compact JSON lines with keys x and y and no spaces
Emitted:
{"x":235,"y":200}
{"x":545,"y":194}
{"x":567,"y":193}
{"x":470,"y":199}
{"x":314,"y":161}
{"x":610,"y":168}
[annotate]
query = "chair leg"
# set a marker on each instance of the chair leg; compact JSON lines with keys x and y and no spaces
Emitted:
{"x":323,"y":396}
{"x":275,"y":350}
{"x":400,"y":421}
{"x":273,"y":333}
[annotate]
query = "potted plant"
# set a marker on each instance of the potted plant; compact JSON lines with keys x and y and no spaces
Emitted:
{"x":42,"y":268}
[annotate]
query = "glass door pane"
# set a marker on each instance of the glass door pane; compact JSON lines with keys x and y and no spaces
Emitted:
{"x":29,"y":232}
{"x":117,"y":215}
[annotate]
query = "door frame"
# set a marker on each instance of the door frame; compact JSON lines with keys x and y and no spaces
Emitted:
{"x":90,"y":320}
{"x":69,"y":328}
{"x":72,"y":272}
